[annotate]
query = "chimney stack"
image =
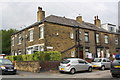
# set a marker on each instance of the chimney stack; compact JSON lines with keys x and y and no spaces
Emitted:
{"x":97,"y":21}
{"x":40,"y":14}
{"x":79,"y":19}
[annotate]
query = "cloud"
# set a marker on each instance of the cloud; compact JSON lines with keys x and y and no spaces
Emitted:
{"x":18,"y":14}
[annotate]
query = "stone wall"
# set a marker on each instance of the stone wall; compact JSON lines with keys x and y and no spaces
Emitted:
{"x":49,"y":65}
{"x":37,"y":66}
{"x":31,"y":66}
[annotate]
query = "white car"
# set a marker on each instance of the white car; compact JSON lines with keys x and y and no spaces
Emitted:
{"x":101,"y":63}
{"x":73,"y":65}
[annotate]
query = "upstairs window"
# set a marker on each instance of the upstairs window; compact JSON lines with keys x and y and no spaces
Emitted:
{"x":71,"y":35}
{"x":116,"y":40}
{"x":31,"y":35}
{"x":86,"y":37}
{"x":19,"y":39}
{"x":12,"y":41}
{"x":97,"y":38}
{"x":41,"y":32}
{"x":106,"y":39}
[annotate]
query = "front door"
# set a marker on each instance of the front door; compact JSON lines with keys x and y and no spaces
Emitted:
{"x":81,"y":54}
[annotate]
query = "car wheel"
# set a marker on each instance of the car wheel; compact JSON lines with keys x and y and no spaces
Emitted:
{"x":113,"y":75}
{"x":90,"y":69}
{"x":72,"y":71}
{"x":103,"y":68}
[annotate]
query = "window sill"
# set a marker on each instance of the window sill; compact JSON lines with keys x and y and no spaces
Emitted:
{"x":41,"y":38}
{"x":30,"y":41}
{"x":19,"y":44}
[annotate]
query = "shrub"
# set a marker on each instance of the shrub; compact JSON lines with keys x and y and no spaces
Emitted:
{"x":19,"y":58}
{"x":38,"y":56}
{"x":30,"y":57}
{"x":24,"y":57}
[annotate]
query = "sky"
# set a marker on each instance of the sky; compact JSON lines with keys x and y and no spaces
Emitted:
{"x":19,"y":14}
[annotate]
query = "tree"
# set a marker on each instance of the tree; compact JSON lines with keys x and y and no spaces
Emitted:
{"x":5,"y":41}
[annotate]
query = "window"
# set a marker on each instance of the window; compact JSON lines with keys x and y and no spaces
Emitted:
{"x":107,"y":53}
{"x":71,"y":35}
{"x":19,"y":39}
{"x":19,"y":52}
{"x":72,"y":54}
{"x":98,"y":52}
{"x":87,"y":52}
{"x":36,"y":48}
{"x":31,"y":35}
{"x":116,"y":40}
{"x":41,"y":32}
{"x":12,"y":42}
{"x":106,"y":39}
{"x":112,"y":29}
{"x":81,"y":61}
{"x":41,"y":48}
{"x":97,"y":38}
{"x":86,"y":37}
{"x":104,"y":60}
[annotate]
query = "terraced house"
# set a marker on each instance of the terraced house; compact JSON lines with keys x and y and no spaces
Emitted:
{"x":73,"y":38}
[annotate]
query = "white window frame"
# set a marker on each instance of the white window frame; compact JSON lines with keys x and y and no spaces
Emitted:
{"x":13,"y":41}
{"x":106,"y":39}
{"x":71,"y":35}
{"x":107,"y":53}
{"x":87,"y":50}
{"x":116,"y":40}
{"x":31,"y":33}
{"x":86,"y":36}
{"x":72,"y":53}
{"x":19,"y":52}
{"x":19,"y":38}
{"x":41,"y":31}
{"x":97,"y":38}
{"x":98,"y":52}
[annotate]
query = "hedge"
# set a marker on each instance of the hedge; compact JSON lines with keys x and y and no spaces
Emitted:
{"x":37,"y":56}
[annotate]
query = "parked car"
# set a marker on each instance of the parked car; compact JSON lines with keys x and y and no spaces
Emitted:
{"x":6,"y":67}
{"x":101,"y":63}
{"x":115,"y":66}
{"x":73,"y":65}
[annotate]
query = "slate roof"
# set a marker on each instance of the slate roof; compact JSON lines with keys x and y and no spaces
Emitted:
{"x":68,"y":22}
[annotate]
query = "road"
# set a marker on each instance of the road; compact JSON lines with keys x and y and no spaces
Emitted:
{"x":94,"y":74}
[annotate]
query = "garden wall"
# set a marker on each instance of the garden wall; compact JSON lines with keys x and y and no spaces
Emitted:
{"x":37,"y":66}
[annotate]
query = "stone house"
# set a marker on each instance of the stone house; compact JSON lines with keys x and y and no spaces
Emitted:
{"x":74,"y":38}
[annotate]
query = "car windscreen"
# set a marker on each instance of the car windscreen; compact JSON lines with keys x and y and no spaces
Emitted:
{"x":96,"y":60}
{"x":65,"y":61}
{"x":5,"y":61}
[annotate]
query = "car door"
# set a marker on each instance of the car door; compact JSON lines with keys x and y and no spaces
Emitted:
{"x":108,"y":63}
{"x":82,"y":65}
{"x":105,"y":63}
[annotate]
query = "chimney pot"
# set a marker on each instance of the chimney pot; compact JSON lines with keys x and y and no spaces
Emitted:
{"x":39,"y":8}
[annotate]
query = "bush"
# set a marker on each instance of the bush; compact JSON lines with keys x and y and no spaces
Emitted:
{"x":19,"y":58}
{"x":38,"y":56}
{"x":30,"y":57}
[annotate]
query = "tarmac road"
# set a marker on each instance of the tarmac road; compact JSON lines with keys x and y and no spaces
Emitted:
{"x":56,"y":74}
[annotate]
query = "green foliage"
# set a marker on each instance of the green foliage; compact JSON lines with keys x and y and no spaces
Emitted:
{"x":38,"y":56}
{"x":5,"y":41}
{"x":19,"y":58}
